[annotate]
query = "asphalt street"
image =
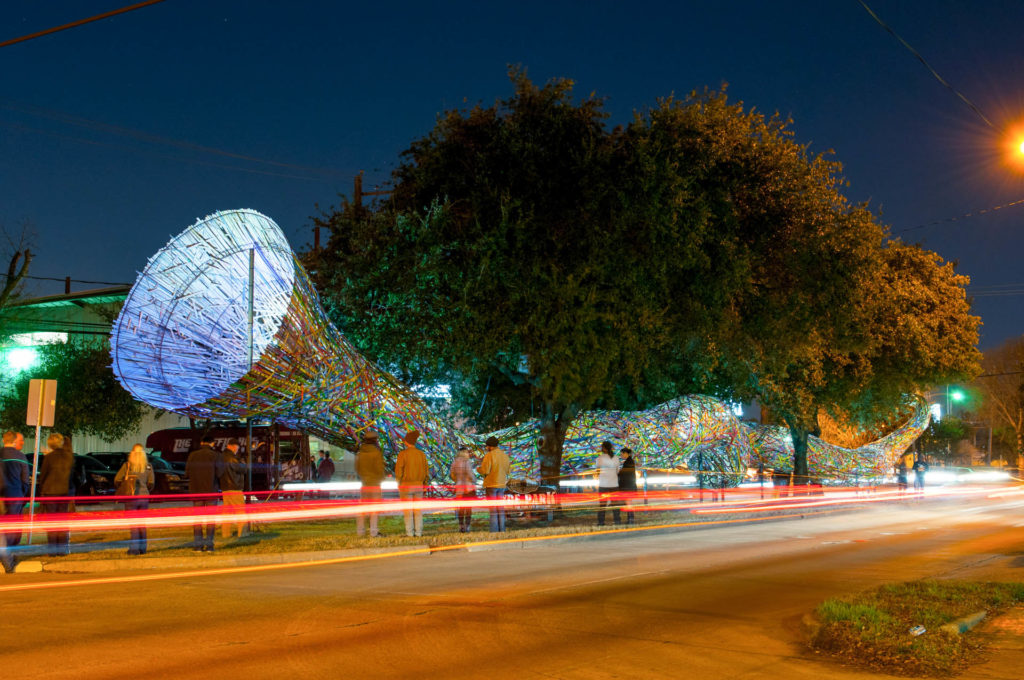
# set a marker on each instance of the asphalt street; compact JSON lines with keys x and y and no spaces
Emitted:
{"x":723,"y":602}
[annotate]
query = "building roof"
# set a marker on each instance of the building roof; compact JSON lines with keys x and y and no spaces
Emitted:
{"x":97,"y":296}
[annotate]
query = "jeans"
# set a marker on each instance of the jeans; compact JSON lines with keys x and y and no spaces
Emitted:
{"x":630,"y":515}
{"x":497,"y":513}
{"x":137,"y":543}
{"x":465,"y":515}
{"x":235,"y":500}
{"x":413,"y":518}
{"x":58,"y":541}
{"x":372,"y":494}
{"x":15,"y":508}
{"x":604,"y":500}
{"x":199,"y":541}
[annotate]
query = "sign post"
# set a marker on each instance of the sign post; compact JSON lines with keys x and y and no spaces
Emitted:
{"x":42,"y":398}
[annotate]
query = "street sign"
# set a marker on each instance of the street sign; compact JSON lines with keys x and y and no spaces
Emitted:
{"x":42,"y":397}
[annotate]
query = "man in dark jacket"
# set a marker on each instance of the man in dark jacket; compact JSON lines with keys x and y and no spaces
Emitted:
{"x":16,"y":472}
{"x":627,"y":480}
{"x":232,"y":483}
{"x":5,"y":557}
{"x":325,"y":468}
{"x":55,"y":480}
{"x":203,"y":468}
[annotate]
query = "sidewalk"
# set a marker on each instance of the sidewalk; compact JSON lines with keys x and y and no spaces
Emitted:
{"x":1004,"y":635}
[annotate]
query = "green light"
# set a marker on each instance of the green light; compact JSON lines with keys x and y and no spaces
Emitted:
{"x":20,"y":358}
{"x":957,"y":395}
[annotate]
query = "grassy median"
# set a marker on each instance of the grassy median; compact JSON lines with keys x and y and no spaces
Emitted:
{"x":873,"y":629}
{"x":440,"y":529}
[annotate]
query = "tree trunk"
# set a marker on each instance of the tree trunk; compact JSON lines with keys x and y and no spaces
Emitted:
{"x":799,"y":431}
{"x":15,"y":275}
{"x":554,"y":424}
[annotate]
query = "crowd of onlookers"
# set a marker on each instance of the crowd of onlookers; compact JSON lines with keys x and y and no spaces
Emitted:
{"x":413,"y":474}
{"x":219,"y":477}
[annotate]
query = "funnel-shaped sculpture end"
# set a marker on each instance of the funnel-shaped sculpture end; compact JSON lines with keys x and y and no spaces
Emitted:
{"x":183,"y":334}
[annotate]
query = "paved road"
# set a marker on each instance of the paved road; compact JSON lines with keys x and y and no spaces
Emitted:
{"x":713,"y":603}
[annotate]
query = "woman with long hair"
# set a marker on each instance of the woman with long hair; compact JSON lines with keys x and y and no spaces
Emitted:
{"x":607,"y":482}
{"x":134,"y":481}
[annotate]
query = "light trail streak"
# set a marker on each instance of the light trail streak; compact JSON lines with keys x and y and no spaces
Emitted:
{"x":877,"y":498}
{"x":256,"y":568}
{"x":319,"y":509}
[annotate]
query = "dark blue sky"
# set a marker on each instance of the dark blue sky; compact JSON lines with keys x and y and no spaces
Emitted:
{"x":110,"y":133}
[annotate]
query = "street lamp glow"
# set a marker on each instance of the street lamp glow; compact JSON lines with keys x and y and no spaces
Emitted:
{"x":956,"y":395}
{"x":20,"y":358}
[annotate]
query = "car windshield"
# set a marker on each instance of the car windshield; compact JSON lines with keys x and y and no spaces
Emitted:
{"x":91,"y":462}
{"x":160,"y":464}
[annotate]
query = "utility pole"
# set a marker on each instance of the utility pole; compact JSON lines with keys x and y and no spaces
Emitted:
{"x":357,"y":202}
{"x":358,"y":193}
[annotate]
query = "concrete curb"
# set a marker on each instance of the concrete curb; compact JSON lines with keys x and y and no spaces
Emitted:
{"x":965,"y":623}
{"x":219,"y":561}
{"x":226,"y":560}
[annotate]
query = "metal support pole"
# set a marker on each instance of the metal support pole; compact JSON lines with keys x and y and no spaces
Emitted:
{"x":248,"y":432}
{"x":35,"y":472}
{"x":700,"y":473}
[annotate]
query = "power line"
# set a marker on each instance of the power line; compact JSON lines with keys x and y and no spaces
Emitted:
{"x":159,"y":154}
{"x":156,"y":139}
{"x":80,"y":22}
{"x":928,"y":66}
{"x":52,"y":278}
{"x":975,"y":213}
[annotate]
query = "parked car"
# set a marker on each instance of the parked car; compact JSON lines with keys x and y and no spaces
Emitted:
{"x":169,"y":479}
{"x":92,"y":477}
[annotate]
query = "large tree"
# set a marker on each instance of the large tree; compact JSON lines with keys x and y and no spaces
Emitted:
{"x":1002,"y":389}
{"x":530,"y":247}
{"x":89,"y":398}
{"x":902,"y":325}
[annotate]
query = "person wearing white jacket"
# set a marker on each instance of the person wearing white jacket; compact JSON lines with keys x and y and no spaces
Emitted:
{"x":607,"y":481}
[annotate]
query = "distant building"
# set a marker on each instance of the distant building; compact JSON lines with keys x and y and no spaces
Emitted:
{"x":84,"y":317}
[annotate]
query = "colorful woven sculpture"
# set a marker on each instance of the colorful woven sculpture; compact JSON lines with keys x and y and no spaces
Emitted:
{"x":191,"y":339}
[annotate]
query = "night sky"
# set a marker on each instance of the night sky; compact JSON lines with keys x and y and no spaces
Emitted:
{"x":116,"y":135}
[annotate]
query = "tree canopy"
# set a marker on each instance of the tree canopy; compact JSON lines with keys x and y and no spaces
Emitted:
{"x":1002,"y":390}
{"x":89,"y":398}
{"x":532,"y":250}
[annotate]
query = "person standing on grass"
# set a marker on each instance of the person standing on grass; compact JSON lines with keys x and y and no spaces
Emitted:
{"x":231,"y":476}
{"x":494,"y":467}
{"x":412,"y":472}
{"x":901,"y":474}
{"x":607,"y":482}
{"x":138,"y":480}
{"x":16,"y":471}
{"x":55,"y":480}
{"x":325,"y":468}
{"x":920,"y":468}
{"x":627,"y":481}
{"x":5,"y":557}
{"x":370,"y":468}
{"x":202,"y":469}
{"x":465,"y":487}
